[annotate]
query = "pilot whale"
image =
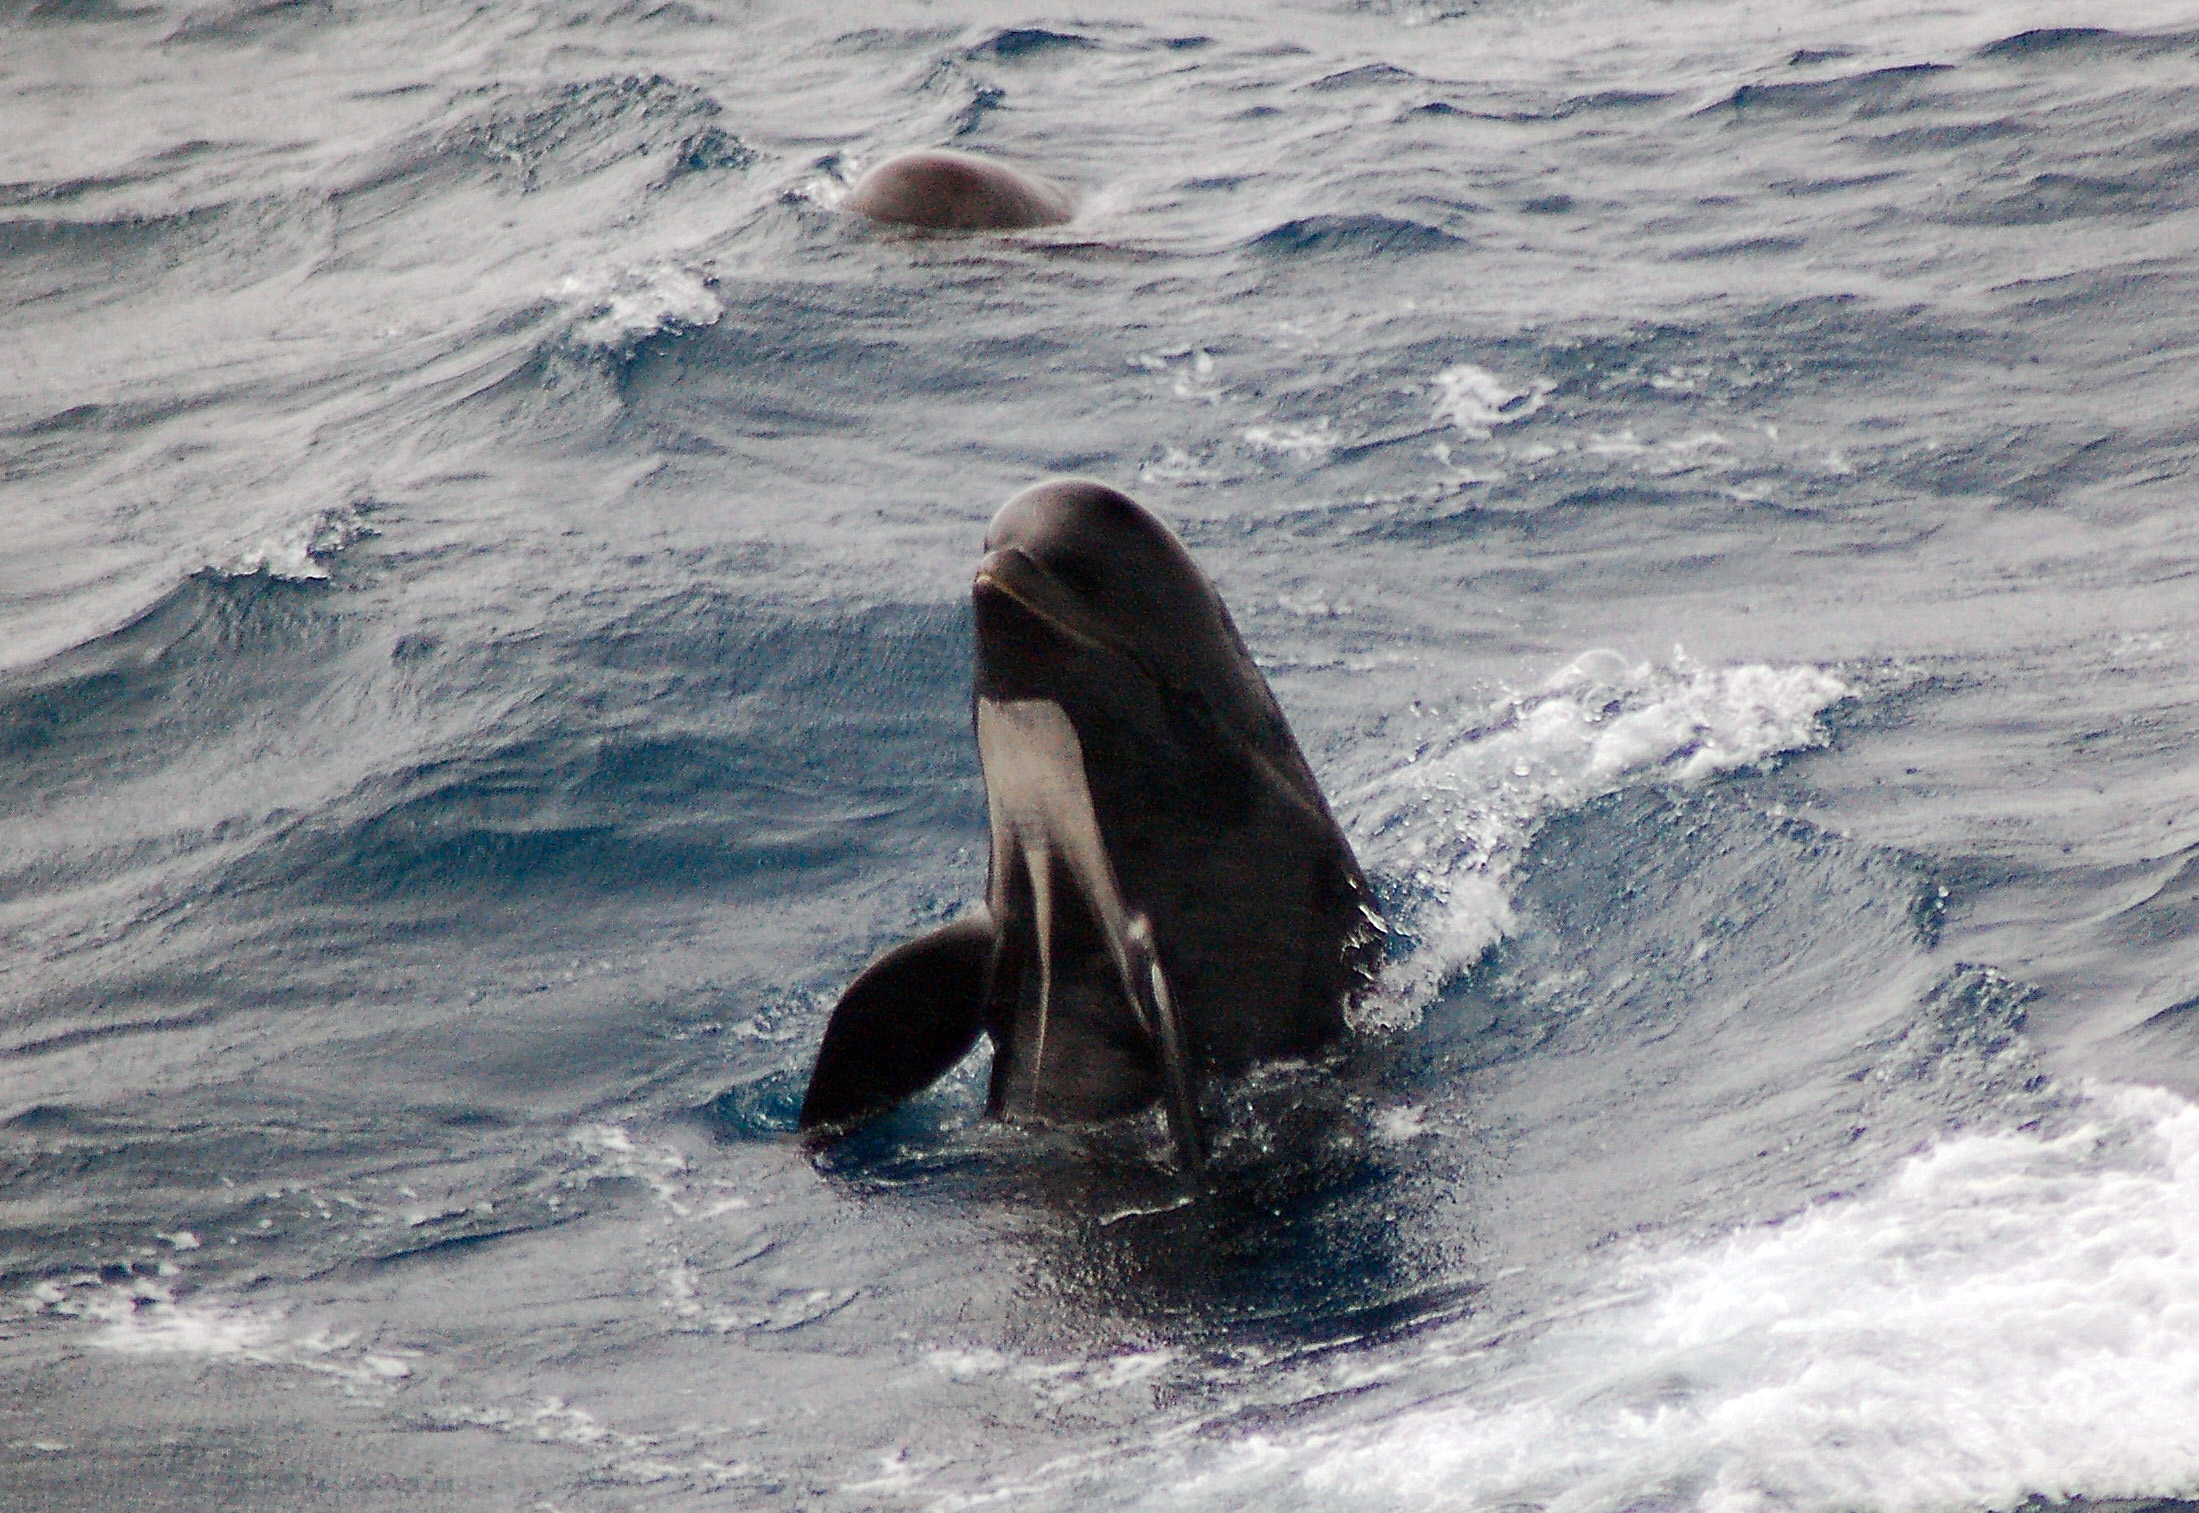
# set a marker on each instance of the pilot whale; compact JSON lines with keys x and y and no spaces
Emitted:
{"x":934,"y":189}
{"x":1170,"y":900}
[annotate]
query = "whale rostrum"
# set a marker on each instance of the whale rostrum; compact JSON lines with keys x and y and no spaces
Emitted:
{"x":1170,"y":900}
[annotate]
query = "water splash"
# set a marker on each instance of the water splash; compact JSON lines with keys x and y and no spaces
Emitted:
{"x":2009,"y":1315}
{"x":1446,"y":825}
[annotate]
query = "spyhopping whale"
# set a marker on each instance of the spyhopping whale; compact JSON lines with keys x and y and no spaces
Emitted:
{"x":1170,"y":900}
{"x":939,"y":190}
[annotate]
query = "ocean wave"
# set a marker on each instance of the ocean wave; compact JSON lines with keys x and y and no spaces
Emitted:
{"x":147,"y":1309}
{"x":1028,"y":41}
{"x":1864,"y":94}
{"x":150,"y":169}
{"x":149,"y":1319}
{"x":1445,"y":826}
{"x":777,"y":753}
{"x":538,"y":139}
{"x":636,"y":133}
{"x":2139,"y":190}
{"x":615,"y":1457}
{"x":302,"y":551}
{"x":172,"y":677}
{"x":1476,"y":401}
{"x":2087,"y":42}
{"x":1367,"y":75}
{"x":613,"y":312}
{"x":631,"y":817}
{"x":1520,"y":106}
{"x":1381,"y":235}
{"x":105,"y":259}
{"x":2008,"y":1316}
{"x":244,"y":20}
{"x":777,"y":748}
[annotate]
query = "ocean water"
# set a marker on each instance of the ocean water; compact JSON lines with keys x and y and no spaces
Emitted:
{"x":484,"y":546}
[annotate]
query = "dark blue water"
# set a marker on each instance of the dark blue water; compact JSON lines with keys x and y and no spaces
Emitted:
{"x":484,"y":659}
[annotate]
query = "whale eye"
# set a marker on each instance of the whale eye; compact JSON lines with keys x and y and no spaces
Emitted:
{"x":1076,"y":572}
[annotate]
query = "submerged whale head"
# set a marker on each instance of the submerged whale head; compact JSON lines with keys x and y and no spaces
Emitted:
{"x":932,"y":189}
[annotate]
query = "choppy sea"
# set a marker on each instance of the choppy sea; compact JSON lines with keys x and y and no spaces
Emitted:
{"x":484,"y":657}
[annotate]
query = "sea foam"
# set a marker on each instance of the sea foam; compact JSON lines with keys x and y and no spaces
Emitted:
{"x":2009,"y":1314}
{"x":143,"y":1316}
{"x":613,"y":311}
{"x":301,"y":550}
{"x":1447,"y":823}
{"x":1476,"y":400}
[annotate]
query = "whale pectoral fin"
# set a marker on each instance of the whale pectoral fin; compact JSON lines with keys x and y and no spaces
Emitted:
{"x":904,"y":1022}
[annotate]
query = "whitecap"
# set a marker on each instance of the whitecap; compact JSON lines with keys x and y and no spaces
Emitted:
{"x":141,"y":1317}
{"x":1301,"y":443}
{"x":2009,"y":1315}
{"x":612,"y":311}
{"x":301,"y":551}
{"x":1476,"y":401}
{"x":1447,"y":821}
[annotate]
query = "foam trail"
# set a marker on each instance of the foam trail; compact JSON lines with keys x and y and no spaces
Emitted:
{"x":2008,"y":1315}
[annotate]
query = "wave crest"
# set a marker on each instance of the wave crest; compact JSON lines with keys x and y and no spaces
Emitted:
{"x":1447,"y":824}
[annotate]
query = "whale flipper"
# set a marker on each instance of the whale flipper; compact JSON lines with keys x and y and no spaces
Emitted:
{"x":902,"y":1024}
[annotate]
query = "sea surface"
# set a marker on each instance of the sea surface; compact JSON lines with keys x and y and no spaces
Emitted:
{"x":484,"y":658}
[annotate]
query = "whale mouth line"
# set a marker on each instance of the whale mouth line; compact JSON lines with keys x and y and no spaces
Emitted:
{"x":1016,"y":575}
{"x":1019,"y":578}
